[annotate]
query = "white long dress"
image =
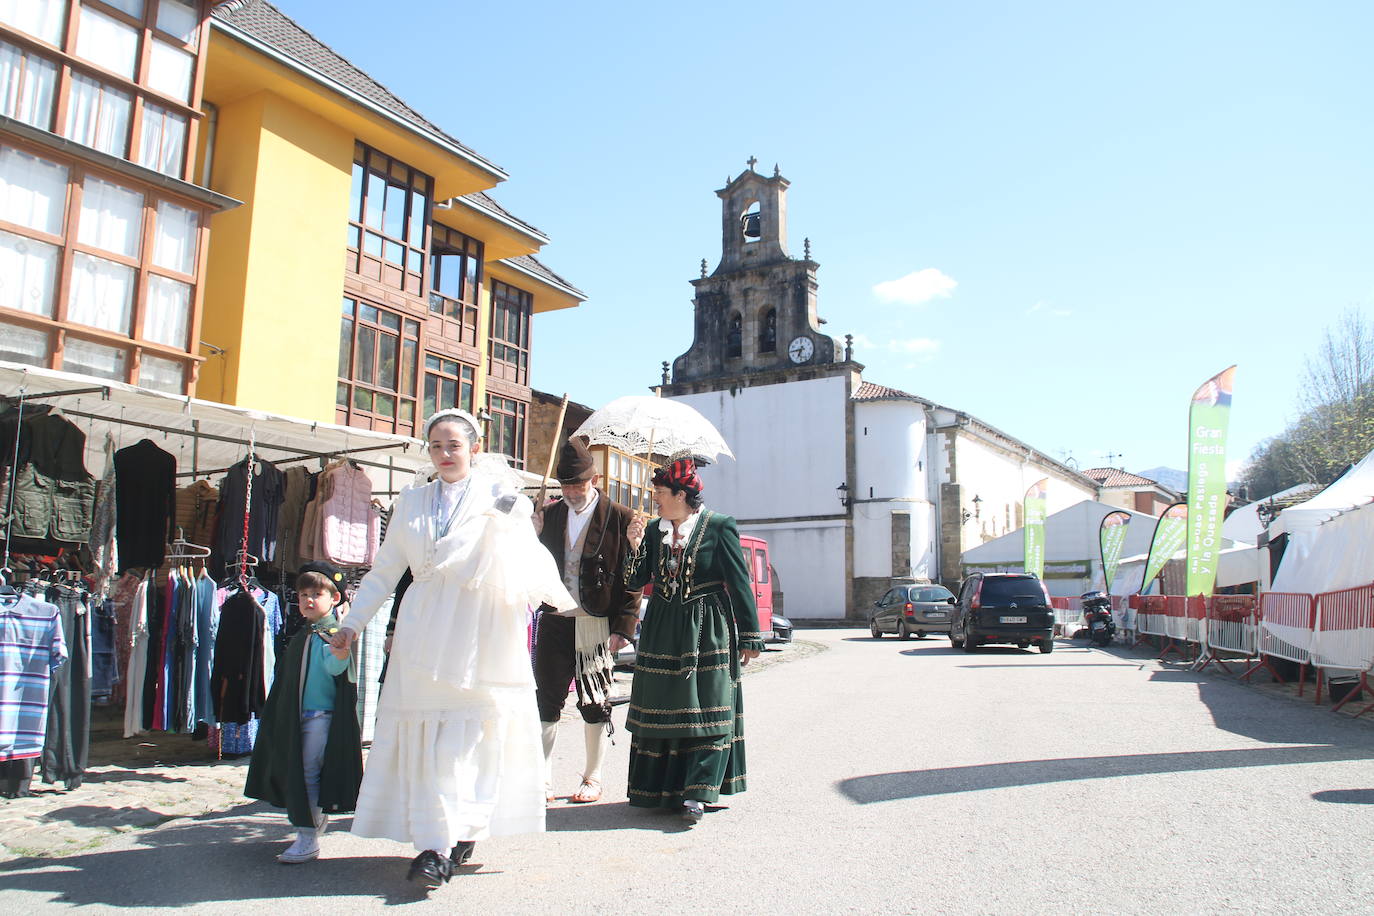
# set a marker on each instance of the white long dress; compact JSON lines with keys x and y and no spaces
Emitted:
{"x":457,"y":752}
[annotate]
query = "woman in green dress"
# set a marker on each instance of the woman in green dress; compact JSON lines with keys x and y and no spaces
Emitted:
{"x":686,"y":713}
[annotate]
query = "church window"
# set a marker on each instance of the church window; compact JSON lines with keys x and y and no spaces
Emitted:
{"x":732,"y":338}
{"x":768,"y":332}
{"x":751,"y":223}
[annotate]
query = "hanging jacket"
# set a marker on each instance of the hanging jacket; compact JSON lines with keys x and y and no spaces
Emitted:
{"x":54,"y":496}
{"x":145,"y":496}
{"x":349,"y":523}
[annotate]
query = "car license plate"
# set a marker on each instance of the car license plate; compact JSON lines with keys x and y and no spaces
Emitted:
{"x":935,"y":613}
{"x":1013,"y":619}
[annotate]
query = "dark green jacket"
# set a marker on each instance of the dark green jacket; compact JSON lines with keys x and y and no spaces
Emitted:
{"x":276,"y":774}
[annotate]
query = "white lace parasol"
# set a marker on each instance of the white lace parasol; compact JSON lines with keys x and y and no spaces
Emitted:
{"x":639,"y":423}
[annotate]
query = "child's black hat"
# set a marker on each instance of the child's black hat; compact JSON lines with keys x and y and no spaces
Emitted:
{"x":328,"y":570}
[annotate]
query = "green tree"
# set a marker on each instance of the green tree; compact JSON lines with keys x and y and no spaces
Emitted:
{"x":1336,"y":426}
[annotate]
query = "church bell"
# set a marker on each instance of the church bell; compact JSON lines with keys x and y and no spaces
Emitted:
{"x":753,"y":225}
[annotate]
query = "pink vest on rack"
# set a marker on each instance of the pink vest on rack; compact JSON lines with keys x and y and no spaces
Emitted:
{"x":350,"y":525}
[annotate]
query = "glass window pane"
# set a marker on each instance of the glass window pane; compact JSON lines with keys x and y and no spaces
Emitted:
{"x":431,"y":393}
{"x":393,"y":221}
{"x":385,"y":405}
{"x":170,"y":70}
{"x":28,"y":270}
{"x":98,"y":115}
{"x":167,"y":311}
{"x":107,"y":42}
{"x":372,"y":244}
{"x":19,"y":344}
{"x":345,"y":347}
{"x":408,"y":358}
{"x":354,"y":236}
{"x":387,"y":354}
{"x":163,"y":144}
{"x":90,"y":358}
{"x":449,"y":396}
{"x":368,"y":313}
{"x":355,"y":195}
{"x":174,"y":241}
{"x":364,"y":366}
{"x":28,"y":83}
{"x":390,"y":320}
{"x":348,"y":305}
{"x":431,"y":363}
{"x":416,"y":234}
{"x":465,"y":398}
{"x":412,"y":328}
{"x":33,"y":191}
{"x":111,"y":217}
{"x":341,"y":395}
{"x":102,"y":293}
{"x":415,"y":261}
{"x":448,"y":275}
{"x":394,"y":253}
{"x":132,"y":7}
{"x":376,"y":199}
{"x":40,"y":18}
{"x":362,"y":399}
{"x":162,"y":374}
{"x":178,"y":18}
{"x":408,"y":411}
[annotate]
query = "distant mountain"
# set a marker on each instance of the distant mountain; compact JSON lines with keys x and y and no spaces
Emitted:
{"x":1172,"y":478}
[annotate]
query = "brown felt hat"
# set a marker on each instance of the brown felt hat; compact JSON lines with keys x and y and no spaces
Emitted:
{"x":574,"y":463}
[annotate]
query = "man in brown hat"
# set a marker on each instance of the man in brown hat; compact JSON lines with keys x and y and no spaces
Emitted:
{"x":585,"y":532}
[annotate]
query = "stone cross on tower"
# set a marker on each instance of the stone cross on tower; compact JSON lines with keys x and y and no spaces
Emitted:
{"x":753,"y":161}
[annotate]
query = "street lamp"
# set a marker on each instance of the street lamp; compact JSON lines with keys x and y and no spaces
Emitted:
{"x":965,"y":515}
{"x":976,"y":505}
{"x":843,"y":490}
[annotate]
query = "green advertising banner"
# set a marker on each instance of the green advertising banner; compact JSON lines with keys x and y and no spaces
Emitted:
{"x":1034,"y":514}
{"x":1208,"y":419}
{"x":1170,"y":532}
{"x":1111,"y":537}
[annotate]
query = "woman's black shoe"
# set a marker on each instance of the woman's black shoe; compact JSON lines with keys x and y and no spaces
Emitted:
{"x":430,"y":869}
{"x":462,"y":852}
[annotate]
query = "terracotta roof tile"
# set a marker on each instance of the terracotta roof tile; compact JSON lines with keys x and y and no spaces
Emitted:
{"x":263,"y":22}
{"x":869,"y":391}
{"x":1115,"y":477}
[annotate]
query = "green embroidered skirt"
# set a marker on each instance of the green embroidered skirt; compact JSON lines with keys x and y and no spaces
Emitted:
{"x":686,"y":709}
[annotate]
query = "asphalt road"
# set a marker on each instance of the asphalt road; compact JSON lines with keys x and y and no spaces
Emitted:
{"x":885,"y":777}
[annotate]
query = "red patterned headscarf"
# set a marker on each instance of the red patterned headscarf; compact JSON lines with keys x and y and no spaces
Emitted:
{"x":679,"y":475}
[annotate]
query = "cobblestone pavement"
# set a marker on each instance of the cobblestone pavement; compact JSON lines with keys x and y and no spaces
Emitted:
{"x":134,"y":784}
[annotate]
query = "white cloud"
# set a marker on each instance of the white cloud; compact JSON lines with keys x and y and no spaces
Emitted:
{"x":916,"y":287}
{"x":921,"y":349}
{"x":1042,"y":308}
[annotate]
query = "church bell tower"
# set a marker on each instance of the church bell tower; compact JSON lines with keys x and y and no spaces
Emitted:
{"x":755,"y":315}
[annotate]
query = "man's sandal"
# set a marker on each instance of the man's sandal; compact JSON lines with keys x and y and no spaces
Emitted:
{"x":589,"y":791}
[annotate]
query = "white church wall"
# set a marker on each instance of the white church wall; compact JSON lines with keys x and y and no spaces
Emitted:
{"x":789,"y":447}
{"x":1000,"y":481}
{"x":891,"y":469}
{"x":808,"y":558}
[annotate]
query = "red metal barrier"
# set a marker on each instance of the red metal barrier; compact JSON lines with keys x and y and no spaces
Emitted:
{"x":1231,"y":626}
{"x":1348,"y":616}
{"x":1285,"y":609}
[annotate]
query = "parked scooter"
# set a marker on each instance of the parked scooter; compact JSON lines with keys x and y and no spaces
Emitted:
{"x":1097,"y":618}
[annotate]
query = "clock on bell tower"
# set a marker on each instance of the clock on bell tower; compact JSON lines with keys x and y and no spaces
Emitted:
{"x":756,"y":312}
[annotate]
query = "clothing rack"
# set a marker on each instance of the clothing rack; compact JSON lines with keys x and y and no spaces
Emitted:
{"x":182,"y":549}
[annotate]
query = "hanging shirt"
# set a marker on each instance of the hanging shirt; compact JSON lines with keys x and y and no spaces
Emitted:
{"x":31,"y":646}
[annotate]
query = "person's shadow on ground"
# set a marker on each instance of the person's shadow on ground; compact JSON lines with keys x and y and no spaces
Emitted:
{"x":234,"y":860}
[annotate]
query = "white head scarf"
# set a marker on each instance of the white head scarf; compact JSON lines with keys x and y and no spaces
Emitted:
{"x":454,"y":413}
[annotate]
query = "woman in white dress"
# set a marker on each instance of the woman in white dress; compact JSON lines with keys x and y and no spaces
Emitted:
{"x":456,"y":755}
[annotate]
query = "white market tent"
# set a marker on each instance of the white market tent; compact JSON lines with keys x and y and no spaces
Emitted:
{"x":1330,"y":537}
{"x":1237,"y":564}
{"x":205,"y":437}
{"x":1071,"y":537}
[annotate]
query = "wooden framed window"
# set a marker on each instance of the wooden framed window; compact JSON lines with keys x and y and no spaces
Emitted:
{"x":455,"y":280}
{"x":378,"y":365}
{"x":627,"y":479}
{"x":448,"y":383}
{"x":388,"y":220}
{"x":506,"y":432}
{"x":511,"y":309}
{"x":100,"y":272}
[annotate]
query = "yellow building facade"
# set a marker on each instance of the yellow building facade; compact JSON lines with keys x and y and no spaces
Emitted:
{"x":203,"y":199}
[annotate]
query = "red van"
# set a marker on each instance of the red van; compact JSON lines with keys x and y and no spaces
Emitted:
{"x":761,"y":573}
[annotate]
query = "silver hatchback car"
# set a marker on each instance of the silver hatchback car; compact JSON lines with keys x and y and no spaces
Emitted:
{"x":909,"y":610}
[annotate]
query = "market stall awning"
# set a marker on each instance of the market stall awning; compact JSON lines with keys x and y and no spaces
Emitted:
{"x":206,"y":437}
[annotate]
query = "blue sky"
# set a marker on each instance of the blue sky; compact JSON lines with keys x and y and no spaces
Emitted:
{"x":1102,"y":205}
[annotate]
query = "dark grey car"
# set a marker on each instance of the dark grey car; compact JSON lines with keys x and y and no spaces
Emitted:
{"x":1002,"y":608}
{"x":909,"y":610}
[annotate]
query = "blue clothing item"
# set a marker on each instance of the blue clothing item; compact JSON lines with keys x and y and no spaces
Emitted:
{"x":32,"y":644}
{"x":238,"y":739}
{"x":314,"y":738}
{"x":321,"y":667}
{"x":167,"y":692}
{"x":207,"y":621}
{"x":104,"y":670}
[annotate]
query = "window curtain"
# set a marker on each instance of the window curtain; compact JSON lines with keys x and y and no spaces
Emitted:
{"x":102,"y":293}
{"x":164,"y":140}
{"x":23,"y":345}
{"x":162,"y":374}
{"x":33,"y":191}
{"x":169,"y":71}
{"x":107,"y":42}
{"x":98,"y":115}
{"x":167,"y":311}
{"x":89,"y":358}
{"x":27,"y":272}
{"x":39,"y":18}
{"x":27,"y":84}
{"x":174,"y":239}
{"x":111,"y":217}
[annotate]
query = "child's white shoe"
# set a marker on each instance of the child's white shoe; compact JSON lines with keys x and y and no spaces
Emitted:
{"x":306,"y":847}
